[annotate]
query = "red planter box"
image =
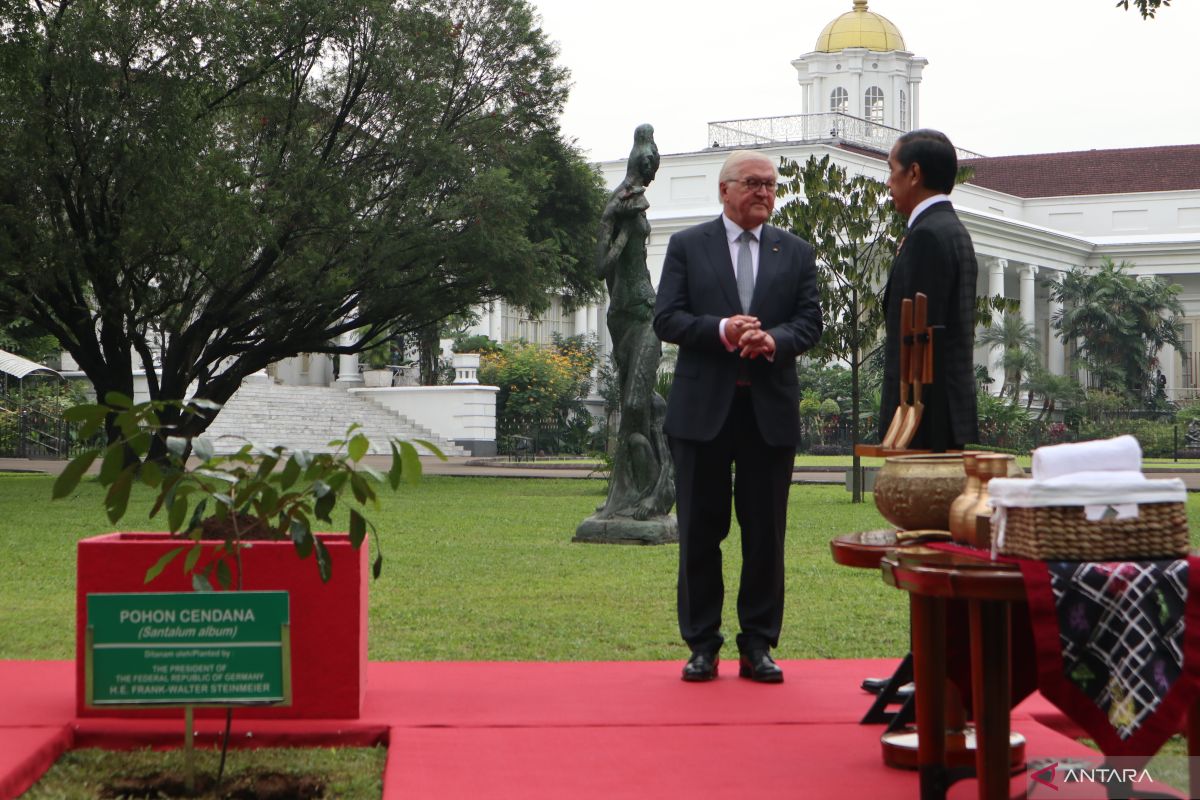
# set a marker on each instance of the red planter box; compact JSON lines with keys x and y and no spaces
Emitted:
{"x":328,"y":620}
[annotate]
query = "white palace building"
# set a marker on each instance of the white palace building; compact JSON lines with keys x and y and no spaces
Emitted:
{"x":1031,"y":217}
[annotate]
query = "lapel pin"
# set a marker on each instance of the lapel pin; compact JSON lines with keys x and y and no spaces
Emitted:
{"x":775,"y":249}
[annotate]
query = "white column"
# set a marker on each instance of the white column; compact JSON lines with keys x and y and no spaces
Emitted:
{"x":996,"y":355}
{"x":1028,"y":294}
{"x":496,"y":320}
{"x":1056,"y":356}
{"x":581,"y":320}
{"x":914,"y":100}
{"x":348,"y":374}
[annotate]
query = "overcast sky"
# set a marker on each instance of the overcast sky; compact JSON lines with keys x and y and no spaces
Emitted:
{"x":1004,"y":76}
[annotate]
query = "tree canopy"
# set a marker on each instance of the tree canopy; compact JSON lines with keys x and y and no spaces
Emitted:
{"x":1121,"y":321}
{"x":211,"y":187}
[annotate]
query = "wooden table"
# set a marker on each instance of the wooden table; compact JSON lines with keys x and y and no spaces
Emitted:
{"x":931,"y":578}
{"x":901,"y":746}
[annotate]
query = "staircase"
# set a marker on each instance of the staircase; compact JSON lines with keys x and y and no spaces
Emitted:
{"x":308,"y":418}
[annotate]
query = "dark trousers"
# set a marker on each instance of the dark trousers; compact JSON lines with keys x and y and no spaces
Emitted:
{"x":704,"y":494}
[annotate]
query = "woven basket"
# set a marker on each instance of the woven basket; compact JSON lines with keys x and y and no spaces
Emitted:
{"x":1063,"y":533}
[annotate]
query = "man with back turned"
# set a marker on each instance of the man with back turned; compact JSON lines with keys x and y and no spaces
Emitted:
{"x":935,"y":257}
{"x":740,"y":299}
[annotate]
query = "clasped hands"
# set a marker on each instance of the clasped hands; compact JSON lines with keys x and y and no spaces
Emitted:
{"x":746,"y":333}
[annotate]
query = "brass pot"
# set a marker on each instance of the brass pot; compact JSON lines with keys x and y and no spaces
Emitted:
{"x":965,"y":501}
{"x":915,"y":492}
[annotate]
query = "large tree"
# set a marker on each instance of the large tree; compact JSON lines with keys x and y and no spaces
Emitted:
{"x":213,"y":186}
{"x":1114,"y":324}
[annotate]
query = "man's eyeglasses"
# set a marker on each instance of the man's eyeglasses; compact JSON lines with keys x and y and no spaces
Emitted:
{"x":754,"y":184}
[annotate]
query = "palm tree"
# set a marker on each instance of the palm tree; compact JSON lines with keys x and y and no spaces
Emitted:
{"x":1121,"y":322}
{"x":1051,"y":389}
{"x":1019,"y":348}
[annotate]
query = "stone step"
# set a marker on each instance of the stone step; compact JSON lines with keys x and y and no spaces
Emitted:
{"x":309,"y":417}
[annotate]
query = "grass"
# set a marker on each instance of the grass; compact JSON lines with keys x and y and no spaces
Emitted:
{"x":484,"y":568}
{"x":346,"y":772}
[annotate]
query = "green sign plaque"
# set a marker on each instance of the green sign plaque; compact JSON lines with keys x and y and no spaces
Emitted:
{"x":187,"y":648}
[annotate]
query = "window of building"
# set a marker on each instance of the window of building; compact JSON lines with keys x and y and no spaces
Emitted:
{"x":873,"y":105}
{"x":903,"y":121}
{"x":839,"y":101}
{"x":518,"y":323}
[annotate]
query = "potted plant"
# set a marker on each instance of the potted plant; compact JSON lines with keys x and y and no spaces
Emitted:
{"x":239,"y":521}
{"x":376,"y":370}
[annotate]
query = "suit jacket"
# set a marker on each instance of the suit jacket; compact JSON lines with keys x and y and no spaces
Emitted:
{"x":696,"y":291}
{"x":936,"y":257}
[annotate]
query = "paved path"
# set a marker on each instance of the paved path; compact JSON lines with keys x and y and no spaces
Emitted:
{"x":468,"y":465}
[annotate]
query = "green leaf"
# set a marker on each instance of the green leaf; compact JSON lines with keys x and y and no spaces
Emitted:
{"x":358,"y":528}
{"x":116,"y":501}
{"x":161,"y":564}
{"x":193,"y":556}
{"x":197,"y":516}
{"x":118,"y":400}
{"x":290,"y":474}
{"x":359,"y":486}
{"x":397,"y":469}
{"x":224,"y":575}
{"x":177,"y":508}
{"x":431,"y":447}
{"x":412,"y":463}
{"x":203,"y":448}
{"x":324,"y":565}
{"x":69,"y":478}
{"x":377,"y":567}
{"x":205,"y":404}
{"x":114,"y":461}
{"x":177,"y":445}
{"x":85,"y":412}
{"x":302,"y":537}
{"x":151,"y":474}
{"x":323,"y":508}
{"x":200,"y":582}
{"x":358,"y":447}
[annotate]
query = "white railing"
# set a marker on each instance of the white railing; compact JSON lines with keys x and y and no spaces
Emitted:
{"x":807,"y":128}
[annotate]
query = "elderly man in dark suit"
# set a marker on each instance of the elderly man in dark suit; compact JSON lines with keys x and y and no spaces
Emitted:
{"x":935,"y":257}
{"x":740,"y":299}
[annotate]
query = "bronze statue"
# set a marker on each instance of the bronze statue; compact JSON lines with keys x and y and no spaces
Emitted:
{"x":641,"y":486}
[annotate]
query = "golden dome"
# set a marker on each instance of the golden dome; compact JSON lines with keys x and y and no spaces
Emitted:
{"x":860,"y":28}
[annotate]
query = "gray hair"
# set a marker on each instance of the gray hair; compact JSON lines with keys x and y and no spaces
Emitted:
{"x":738,"y":157}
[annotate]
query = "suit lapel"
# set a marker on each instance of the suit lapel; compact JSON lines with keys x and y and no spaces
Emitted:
{"x":768,"y":266}
{"x":721,"y":264}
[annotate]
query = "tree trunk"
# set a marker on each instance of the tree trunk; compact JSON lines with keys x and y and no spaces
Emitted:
{"x":428,"y":354}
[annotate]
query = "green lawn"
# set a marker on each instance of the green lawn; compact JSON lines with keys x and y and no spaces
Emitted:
{"x":484,"y":568}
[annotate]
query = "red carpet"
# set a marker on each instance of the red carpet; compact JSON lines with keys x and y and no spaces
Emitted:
{"x":550,"y":730}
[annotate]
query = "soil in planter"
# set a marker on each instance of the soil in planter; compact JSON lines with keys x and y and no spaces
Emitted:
{"x":264,"y":785}
{"x":248,"y":529}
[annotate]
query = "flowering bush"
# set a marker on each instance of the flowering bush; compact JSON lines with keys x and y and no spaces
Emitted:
{"x":542,"y":389}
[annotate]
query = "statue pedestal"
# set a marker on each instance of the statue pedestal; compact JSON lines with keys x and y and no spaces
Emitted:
{"x":626,"y":530}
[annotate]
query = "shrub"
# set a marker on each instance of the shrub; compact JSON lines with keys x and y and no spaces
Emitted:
{"x":542,"y":391}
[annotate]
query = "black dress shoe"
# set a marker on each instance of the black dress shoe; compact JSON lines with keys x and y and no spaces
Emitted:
{"x":701,"y":667}
{"x":758,"y":666}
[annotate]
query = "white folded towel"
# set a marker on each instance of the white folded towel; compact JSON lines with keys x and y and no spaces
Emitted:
{"x":1121,"y":454}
